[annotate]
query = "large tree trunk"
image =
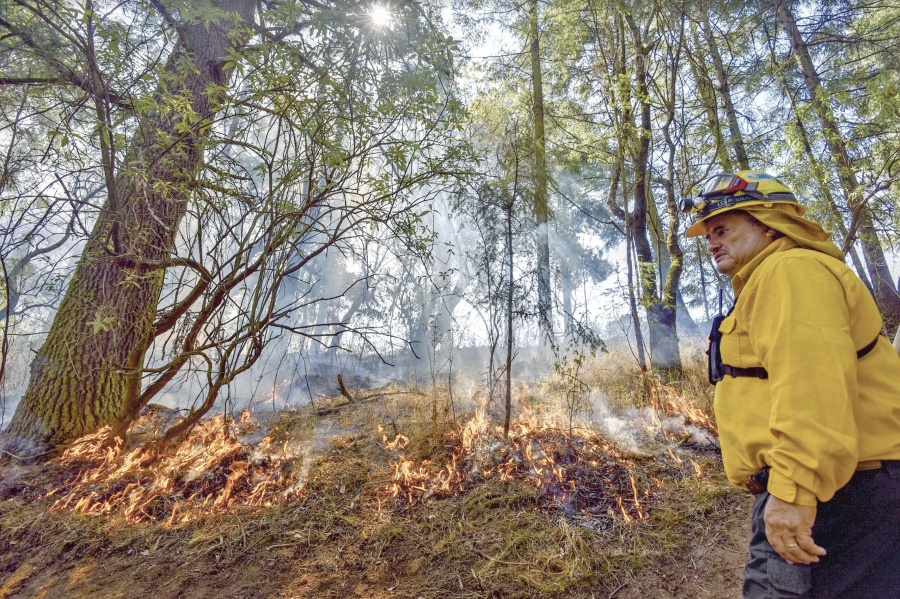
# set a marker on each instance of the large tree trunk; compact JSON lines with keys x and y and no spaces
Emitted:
{"x":669,"y":253}
{"x":625,"y":216}
{"x":633,"y":308}
{"x":541,"y":209}
{"x":885,"y":292}
{"x":663,"y":335}
{"x":88,"y":372}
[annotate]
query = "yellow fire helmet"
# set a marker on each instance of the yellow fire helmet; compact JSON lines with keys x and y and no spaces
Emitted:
{"x":737,"y":191}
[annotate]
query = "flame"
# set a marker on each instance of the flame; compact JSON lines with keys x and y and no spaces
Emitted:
{"x":208,"y":472}
{"x":637,"y":501}
{"x":275,"y":393}
{"x":675,"y":458}
{"x":666,"y":399}
{"x":540,"y":456}
{"x":622,"y":509}
{"x":577,"y":473}
{"x":399,"y":442}
{"x":477,"y":427}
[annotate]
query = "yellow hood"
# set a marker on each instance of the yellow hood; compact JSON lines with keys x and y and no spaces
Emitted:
{"x":786,"y":218}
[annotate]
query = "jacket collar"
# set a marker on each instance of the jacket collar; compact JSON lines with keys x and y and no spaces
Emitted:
{"x":740,"y":279}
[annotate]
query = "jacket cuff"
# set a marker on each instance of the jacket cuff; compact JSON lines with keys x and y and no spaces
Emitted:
{"x":787,"y":490}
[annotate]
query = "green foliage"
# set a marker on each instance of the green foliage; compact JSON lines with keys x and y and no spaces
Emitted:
{"x":576,"y":391}
{"x":317,"y":131}
{"x":334,"y":135}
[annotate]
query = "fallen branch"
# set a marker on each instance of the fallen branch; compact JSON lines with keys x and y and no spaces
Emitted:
{"x":368,"y":398}
{"x":343,"y":389}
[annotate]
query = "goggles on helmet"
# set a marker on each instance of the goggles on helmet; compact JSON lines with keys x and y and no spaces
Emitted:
{"x":725,"y":190}
{"x":700,"y":207}
{"x":723,"y":183}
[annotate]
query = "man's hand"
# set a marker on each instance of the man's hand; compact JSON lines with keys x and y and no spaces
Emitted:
{"x":789,"y":530}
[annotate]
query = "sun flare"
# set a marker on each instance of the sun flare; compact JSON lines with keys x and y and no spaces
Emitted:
{"x":381,"y":16}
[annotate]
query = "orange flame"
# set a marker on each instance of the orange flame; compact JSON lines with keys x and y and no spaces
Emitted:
{"x":637,"y":501}
{"x":210,"y":471}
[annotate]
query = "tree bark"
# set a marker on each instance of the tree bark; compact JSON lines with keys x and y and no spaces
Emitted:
{"x":624,"y":120}
{"x":671,"y":297}
{"x":664,"y":352}
{"x":633,"y":308}
{"x":707,"y":97}
{"x":882,"y":281}
{"x":821,"y":177}
{"x":737,"y":139}
{"x":830,"y":202}
{"x":541,"y":208}
{"x":87,"y":374}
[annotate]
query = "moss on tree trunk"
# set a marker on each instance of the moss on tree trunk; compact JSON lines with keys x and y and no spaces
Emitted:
{"x":87,"y":373}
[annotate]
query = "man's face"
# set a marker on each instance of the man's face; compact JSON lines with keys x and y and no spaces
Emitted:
{"x":734,"y":239}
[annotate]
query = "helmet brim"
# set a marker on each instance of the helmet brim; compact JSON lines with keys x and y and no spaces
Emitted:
{"x":698,"y":228}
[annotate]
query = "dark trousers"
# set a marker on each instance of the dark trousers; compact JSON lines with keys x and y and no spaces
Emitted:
{"x":860,"y":530}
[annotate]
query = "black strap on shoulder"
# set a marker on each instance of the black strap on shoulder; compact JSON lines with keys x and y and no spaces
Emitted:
{"x":762,"y":373}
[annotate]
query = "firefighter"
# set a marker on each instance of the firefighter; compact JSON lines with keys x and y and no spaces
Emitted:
{"x":807,"y":397}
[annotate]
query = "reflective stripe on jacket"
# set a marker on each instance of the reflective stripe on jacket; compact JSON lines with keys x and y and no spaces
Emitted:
{"x":801,"y":315}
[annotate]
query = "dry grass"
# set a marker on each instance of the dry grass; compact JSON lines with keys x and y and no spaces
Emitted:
{"x":619,"y":377}
{"x":552,"y":511}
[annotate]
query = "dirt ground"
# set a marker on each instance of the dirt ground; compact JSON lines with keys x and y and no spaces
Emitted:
{"x":344,"y":538}
{"x":713,"y":567}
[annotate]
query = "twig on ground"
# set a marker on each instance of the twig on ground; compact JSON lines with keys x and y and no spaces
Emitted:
{"x":619,"y":588}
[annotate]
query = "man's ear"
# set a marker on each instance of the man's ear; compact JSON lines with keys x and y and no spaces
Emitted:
{"x":771,"y":233}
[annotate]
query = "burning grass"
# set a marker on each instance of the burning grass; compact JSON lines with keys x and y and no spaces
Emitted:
{"x":378,"y":499}
{"x":577,"y":473}
{"x":582,"y":477}
{"x":209,"y":472}
{"x":618,"y":376}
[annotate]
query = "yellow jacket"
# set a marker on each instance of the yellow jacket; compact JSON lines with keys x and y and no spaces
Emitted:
{"x":802,"y":315}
